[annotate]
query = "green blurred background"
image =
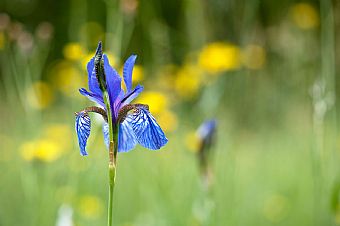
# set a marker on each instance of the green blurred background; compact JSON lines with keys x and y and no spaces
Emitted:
{"x":266,"y":70}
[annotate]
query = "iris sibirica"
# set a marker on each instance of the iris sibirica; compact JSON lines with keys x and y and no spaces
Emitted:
{"x":125,"y":124}
{"x":135,"y":122}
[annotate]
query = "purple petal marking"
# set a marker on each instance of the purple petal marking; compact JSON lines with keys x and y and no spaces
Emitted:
{"x":131,"y":95}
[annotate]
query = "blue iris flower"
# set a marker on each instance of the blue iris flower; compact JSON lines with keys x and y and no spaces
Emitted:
{"x":206,"y":134}
{"x":135,"y":122}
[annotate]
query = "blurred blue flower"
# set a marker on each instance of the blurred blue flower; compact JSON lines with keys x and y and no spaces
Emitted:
{"x":206,"y":134}
{"x":135,"y":122}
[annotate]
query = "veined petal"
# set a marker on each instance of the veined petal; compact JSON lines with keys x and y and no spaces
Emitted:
{"x":126,"y":137}
{"x":113,"y":81}
{"x":83,"y":127}
{"x":131,"y":95}
{"x":106,"y":135}
{"x":148,"y":133}
{"x":127,"y":72}
{"x":93,"y":97}
{"x":93,"y":82}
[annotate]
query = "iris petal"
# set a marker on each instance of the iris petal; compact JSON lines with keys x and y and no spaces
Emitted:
{"x":92,"y":96}
{"x":83,"y":127}
{"x":127,"y":71}
{"x":106,"y":135}
{"x":113,"y":81}
{"x":93,"y":82}
{"x":131,"y":95}
{"x":148,"y":133}
{"x":126,"y":137}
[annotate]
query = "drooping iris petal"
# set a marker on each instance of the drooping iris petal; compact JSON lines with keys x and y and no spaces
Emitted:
{"x":127,"y":72}
{"x":92,"y":96}
{"x":148,"y":133}
{"x":106,"y":135}
{"x":126,"y":137}
{"x":131,"y":95}
{"x":113,"y":82}
{"x":93,"y":82}
{"x":83,"y":127}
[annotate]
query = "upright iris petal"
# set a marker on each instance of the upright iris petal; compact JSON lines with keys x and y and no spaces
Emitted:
{"x":131,"y":95}
{"x":93,"y":82}
{"x":113,"y":84}
{"x":127,"y":72}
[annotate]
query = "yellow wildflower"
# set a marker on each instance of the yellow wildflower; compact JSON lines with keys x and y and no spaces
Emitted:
{"x":39,"y":95}
{"x":254,"y":57}
{"x":192,"y":141}
{"x":86,"y":58}
{"x":218,"y":57}
{"x":60,"y":133}
{"x":305,"y":16}
{"x":90,"y":207}
{"x":167,"y":120}
{"x":157,"y":101}
{"x":44,"y":150}
{"x":137,"y":74}
{"x":73,"y":51}
{"x":188,"y":81}
{"x":67,"y":78}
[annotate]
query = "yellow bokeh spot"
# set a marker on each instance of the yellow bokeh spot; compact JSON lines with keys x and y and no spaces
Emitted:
{"x":39,"y":95}
{"x":137,"y":74}
{"x":73,"y":51}
{"x":168,"y":121}
{"x":44,"y":150}
{"x":192,"y":141}
{"x":67,"y":78}
{"x":2,"y":40}
{"x":305,"y":16}
{"x":218,"y":57}
{"x":187,"y":81}
{"x":90,"y":207}
{"x":275,"y":208}
{"x":60,"y":133}
{"x":254,"y":57}
{"x":157,"y":101}
{"x":112,"y":59}
{"x":86,"y":58}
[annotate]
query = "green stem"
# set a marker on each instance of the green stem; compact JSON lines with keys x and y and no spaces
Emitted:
{"x":113,"y":135}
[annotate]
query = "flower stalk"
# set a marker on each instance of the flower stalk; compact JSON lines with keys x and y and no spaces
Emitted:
{"x":113,"y":147}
